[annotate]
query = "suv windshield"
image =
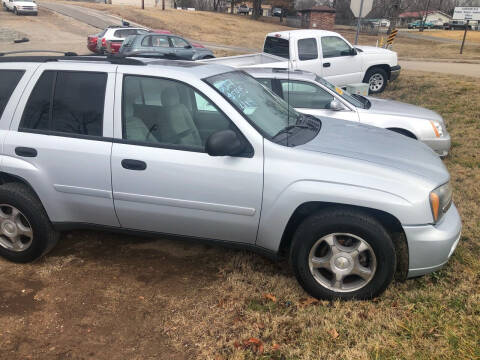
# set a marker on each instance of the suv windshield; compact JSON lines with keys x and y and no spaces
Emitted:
{"x":269,"y":113}
{"x":277,"y":46}
{"x":355,"y":100}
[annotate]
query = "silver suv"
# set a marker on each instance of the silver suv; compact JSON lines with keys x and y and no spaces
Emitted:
{"x":207,"y":152}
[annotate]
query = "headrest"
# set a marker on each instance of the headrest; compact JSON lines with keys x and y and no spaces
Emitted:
{"x":170,"y":96}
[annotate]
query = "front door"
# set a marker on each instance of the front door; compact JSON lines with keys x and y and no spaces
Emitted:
{"x":164,"y":181}
{"x":182,"y":48}
{"x":309,"y":98}
{"x":340,"y":66}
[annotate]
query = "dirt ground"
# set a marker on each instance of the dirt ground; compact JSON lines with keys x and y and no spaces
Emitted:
{"x":47,"y":31}
{"x":108,"y":296}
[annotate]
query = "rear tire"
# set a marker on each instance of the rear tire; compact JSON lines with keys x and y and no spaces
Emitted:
{"x":32,"y":219}
{"x":358,"y":239}
{"x":377,"y":80}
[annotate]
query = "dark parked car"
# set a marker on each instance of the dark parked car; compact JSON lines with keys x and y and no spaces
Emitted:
{"x":457,"y":25}
{"x":164,"y":44}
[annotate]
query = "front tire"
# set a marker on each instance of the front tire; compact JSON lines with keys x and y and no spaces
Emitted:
{"x":377,"y":80}
{"x":26,"y":233}
{"x":343,"y":254}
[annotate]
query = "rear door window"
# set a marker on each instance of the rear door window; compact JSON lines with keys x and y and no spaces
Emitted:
{"x":277,"y":46}
{"x":307,"y":49}
{"x":8,"y":83}
{"x":69,"y":102}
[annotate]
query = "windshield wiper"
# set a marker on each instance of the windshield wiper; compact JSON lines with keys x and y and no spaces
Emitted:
{"x":290,"y":127}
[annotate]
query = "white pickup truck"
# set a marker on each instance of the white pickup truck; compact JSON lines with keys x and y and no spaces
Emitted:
{"x":21,"y":7}
{"x":325,"y":53}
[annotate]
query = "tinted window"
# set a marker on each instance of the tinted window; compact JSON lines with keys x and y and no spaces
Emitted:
{"x":37,"y":111}
{"x":76,"y":105}
{"x":10,"y":79}
{"x":307,"y":49}
{"x":168,"y":113}
{"x":305,"y":95}
{"x":277,"y":46}
{"x":333,"y":46}
{"x":178,"y":42}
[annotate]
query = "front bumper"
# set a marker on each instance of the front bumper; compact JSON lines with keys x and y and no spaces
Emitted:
{"x":27,"y":11}
{"x":430,"y":246}
{"x":395,"y":72}
{"x":440,"y":145}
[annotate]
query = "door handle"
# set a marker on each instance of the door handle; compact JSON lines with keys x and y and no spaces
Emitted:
{"x":326,"y":64}
{"x":130,"y":164}
{"x":26,"y":152}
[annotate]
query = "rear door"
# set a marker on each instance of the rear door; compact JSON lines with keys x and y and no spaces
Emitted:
{"x":308,"y":55}
{"x":60,"y":140}
{"x":340,"y":67}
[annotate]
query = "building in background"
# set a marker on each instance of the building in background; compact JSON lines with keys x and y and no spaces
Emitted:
{"x":320,"y":17}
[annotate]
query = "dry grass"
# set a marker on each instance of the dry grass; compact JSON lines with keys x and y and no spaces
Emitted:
{"x":456,"y":35}
{"x":432,"y":317}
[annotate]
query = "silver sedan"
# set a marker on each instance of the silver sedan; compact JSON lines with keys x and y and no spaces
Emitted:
{"x":311,"y":94}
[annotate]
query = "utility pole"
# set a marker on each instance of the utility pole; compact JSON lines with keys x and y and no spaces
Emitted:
{"x":143,"y":4}
{"x":163,"y":4}
{"x":358,"y":22}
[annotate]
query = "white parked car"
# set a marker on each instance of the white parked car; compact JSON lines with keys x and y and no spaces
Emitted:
{"x":325,"y":53}
{"x":311,"y":94}
{"x":21,"y":7}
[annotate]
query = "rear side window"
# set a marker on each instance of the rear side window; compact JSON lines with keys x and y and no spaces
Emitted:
{"x":9,"y":82}
{"x":307,"y":49}
{"x":277,"y":46}
{"x":68,"y":102}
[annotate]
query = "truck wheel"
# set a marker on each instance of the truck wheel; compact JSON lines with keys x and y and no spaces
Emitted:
{"x":343,"y":254}
{"x":377,"y":80}
{"x":25,"y":230}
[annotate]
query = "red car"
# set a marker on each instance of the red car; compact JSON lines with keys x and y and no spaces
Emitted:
{"x":110,"y":40}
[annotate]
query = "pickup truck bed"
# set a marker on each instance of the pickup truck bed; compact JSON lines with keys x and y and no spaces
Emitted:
{"x":258,"y":59}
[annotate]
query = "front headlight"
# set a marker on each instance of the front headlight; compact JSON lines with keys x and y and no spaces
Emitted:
{"x":437,"y":128}
{"x":440,"y":201}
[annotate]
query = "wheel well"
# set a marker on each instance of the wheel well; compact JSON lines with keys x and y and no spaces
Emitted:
{"x":9,"y":178}
{"x":385,"y":67}
{"x":390,"y":222}
{"x":403,"y":132}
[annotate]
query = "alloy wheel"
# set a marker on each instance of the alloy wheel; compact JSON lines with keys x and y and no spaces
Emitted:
{"x":16,"y":233}
{"x":342,"y":262}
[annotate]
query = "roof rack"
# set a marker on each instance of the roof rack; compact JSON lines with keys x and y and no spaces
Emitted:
{"x":68,"y":53}
{"x":98,"y":58}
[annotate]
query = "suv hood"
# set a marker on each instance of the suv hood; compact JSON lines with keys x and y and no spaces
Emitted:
{"x":396,"y":108}
{"x":376,"y":145}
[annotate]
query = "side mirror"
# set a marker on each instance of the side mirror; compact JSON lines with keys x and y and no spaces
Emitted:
{"x":335,"y":105}
{"x":353,"y":52}
{"x":188,"y":46}
{"x":224,"y":143}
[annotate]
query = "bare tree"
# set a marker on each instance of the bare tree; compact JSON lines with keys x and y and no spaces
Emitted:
{"x":257,"y":9}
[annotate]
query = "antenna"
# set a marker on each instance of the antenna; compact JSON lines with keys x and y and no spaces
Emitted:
{"x":288,"y":84}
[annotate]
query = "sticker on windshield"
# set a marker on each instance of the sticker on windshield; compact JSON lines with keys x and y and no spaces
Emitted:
{"x":338,"y":90}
